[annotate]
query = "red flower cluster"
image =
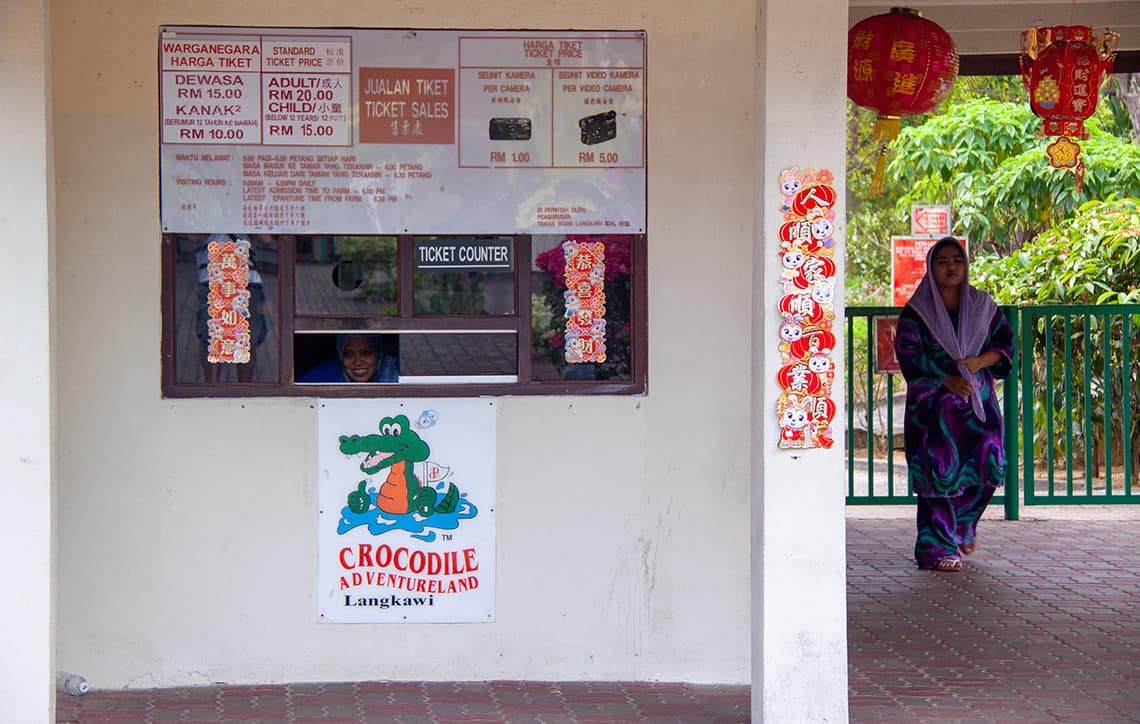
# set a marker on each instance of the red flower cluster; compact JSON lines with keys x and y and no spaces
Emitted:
{"x":553,"y":261}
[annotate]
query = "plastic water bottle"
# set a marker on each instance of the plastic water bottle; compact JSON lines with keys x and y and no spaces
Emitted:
{"x":73,"y":684}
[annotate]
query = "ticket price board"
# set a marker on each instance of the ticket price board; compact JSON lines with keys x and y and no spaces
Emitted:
{"x":399,"y":131}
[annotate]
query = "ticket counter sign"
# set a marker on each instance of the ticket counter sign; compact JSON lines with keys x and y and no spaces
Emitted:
{"x":465,"y":253}
{"x":342,"y":131}
{"x":908,"y":254}
{"x":930,"y":220}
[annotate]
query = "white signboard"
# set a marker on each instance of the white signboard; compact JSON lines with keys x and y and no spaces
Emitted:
{"x":930,"y":220}
{"x":402,"y":131}
{"x":406,"y":491}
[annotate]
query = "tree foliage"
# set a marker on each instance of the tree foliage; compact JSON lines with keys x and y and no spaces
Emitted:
{"x":1093,"y":257}
{"x":982,"y":156}
{"x":978,"y":152}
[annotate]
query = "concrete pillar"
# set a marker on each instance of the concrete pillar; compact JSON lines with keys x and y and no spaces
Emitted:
{"x":26,"y":364}
{"x":799,"y":608}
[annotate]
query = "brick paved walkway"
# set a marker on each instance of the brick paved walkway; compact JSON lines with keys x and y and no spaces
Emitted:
{"x":1043,"y":626}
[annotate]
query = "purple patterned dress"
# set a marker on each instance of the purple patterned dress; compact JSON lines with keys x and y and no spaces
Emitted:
{"x":955,"y":459}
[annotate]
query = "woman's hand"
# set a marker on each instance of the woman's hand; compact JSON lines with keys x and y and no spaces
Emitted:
{"x":980,"y":362}
{"x":958,"y":385}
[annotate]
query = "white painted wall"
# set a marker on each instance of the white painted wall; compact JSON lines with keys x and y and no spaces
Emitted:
{"x":189,"y":559}
{"x":26,"y":405}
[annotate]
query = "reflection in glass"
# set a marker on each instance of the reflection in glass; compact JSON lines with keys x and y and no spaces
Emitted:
{"x":465,"y":291}
{"x":338,"y":275}
{"x":192,"y":317}
{"x":548,"y":310}
{"x":473,"y":353}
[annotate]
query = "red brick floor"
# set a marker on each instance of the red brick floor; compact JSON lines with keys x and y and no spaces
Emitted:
{"x":1043,"y":626}
{"x":415,"y":702}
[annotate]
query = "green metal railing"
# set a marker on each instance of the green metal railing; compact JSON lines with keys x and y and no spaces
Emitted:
{"x":1071,"y":407}
{"x":1080,"y":404}
{"x":875,"y":397}
{"x":1095,"y":349}
{"x":876,"y":480}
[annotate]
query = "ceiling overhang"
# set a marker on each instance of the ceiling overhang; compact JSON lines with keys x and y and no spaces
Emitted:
{"x":993,"y":27}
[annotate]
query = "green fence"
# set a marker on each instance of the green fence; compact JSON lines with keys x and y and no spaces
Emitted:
{"x":1080,"y":404}
{"x":874,"y":417}
{"x":1078,"y":372}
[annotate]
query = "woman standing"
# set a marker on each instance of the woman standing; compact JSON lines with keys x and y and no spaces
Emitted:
{"x":952,"y":341}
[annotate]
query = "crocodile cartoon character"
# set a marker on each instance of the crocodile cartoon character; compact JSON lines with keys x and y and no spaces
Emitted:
{"x":398,"y":448}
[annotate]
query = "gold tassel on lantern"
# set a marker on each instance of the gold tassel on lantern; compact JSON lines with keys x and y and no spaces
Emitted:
{"x":886,"y":130}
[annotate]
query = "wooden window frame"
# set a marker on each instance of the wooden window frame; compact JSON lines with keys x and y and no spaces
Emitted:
{"x":519,"y":323}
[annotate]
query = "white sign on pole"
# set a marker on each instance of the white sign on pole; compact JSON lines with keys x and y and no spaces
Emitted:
{"x":930,"y":220}
{"x":406,"y":490}
{"x":327,"y":131}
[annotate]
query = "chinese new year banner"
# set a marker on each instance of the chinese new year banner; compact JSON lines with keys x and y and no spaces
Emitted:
{"x":228,"y":276}
{"x":386,"y":131}
{"x":807,"y":279}
{"x":585,"y":301}
{"x":406,"y":495}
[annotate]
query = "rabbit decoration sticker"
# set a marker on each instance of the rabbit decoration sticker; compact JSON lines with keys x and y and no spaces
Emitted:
{"x":585,"y":297}
{"x":228,"y":274}
{"x":807,"y":283}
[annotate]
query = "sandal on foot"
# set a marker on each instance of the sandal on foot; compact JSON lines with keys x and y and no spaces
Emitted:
{"x":968,"y":548}
{"x":949,"y":565}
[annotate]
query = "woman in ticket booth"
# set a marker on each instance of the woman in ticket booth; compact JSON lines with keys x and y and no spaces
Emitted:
{"x":359,"y":358}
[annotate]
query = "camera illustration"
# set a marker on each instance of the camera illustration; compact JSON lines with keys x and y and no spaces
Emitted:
{"x":510,"y":129}
{"x":598,"y":128}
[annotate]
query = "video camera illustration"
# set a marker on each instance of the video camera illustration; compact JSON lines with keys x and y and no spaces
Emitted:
{"x":599,"y":128}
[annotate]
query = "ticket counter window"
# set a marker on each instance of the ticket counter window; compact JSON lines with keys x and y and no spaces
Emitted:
{"x":226,"y":308}
{"x":464,"y":275}
{"x":581,"y":307}
{"x":442,"y":315}
{"x":346,"y":275}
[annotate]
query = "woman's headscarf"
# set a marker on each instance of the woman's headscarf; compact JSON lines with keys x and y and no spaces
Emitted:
{"x":975,"y":311}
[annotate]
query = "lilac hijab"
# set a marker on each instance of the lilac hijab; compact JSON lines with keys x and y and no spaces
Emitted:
{"x":975,"y":311}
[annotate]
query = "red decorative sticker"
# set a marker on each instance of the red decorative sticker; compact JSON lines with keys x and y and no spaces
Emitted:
{"x":585,"y":296}
{"x":228,"y":325}
{"x":807,"y":280}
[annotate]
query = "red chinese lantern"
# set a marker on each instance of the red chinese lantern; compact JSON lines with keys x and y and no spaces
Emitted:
{"x":1062,"y":68}
{"x":898,"y":64}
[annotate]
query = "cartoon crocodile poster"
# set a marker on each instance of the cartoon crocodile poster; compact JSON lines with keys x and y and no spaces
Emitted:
{"x":406,"y":495}
{"x":397,"y":448}
{"x":402,"y":500}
